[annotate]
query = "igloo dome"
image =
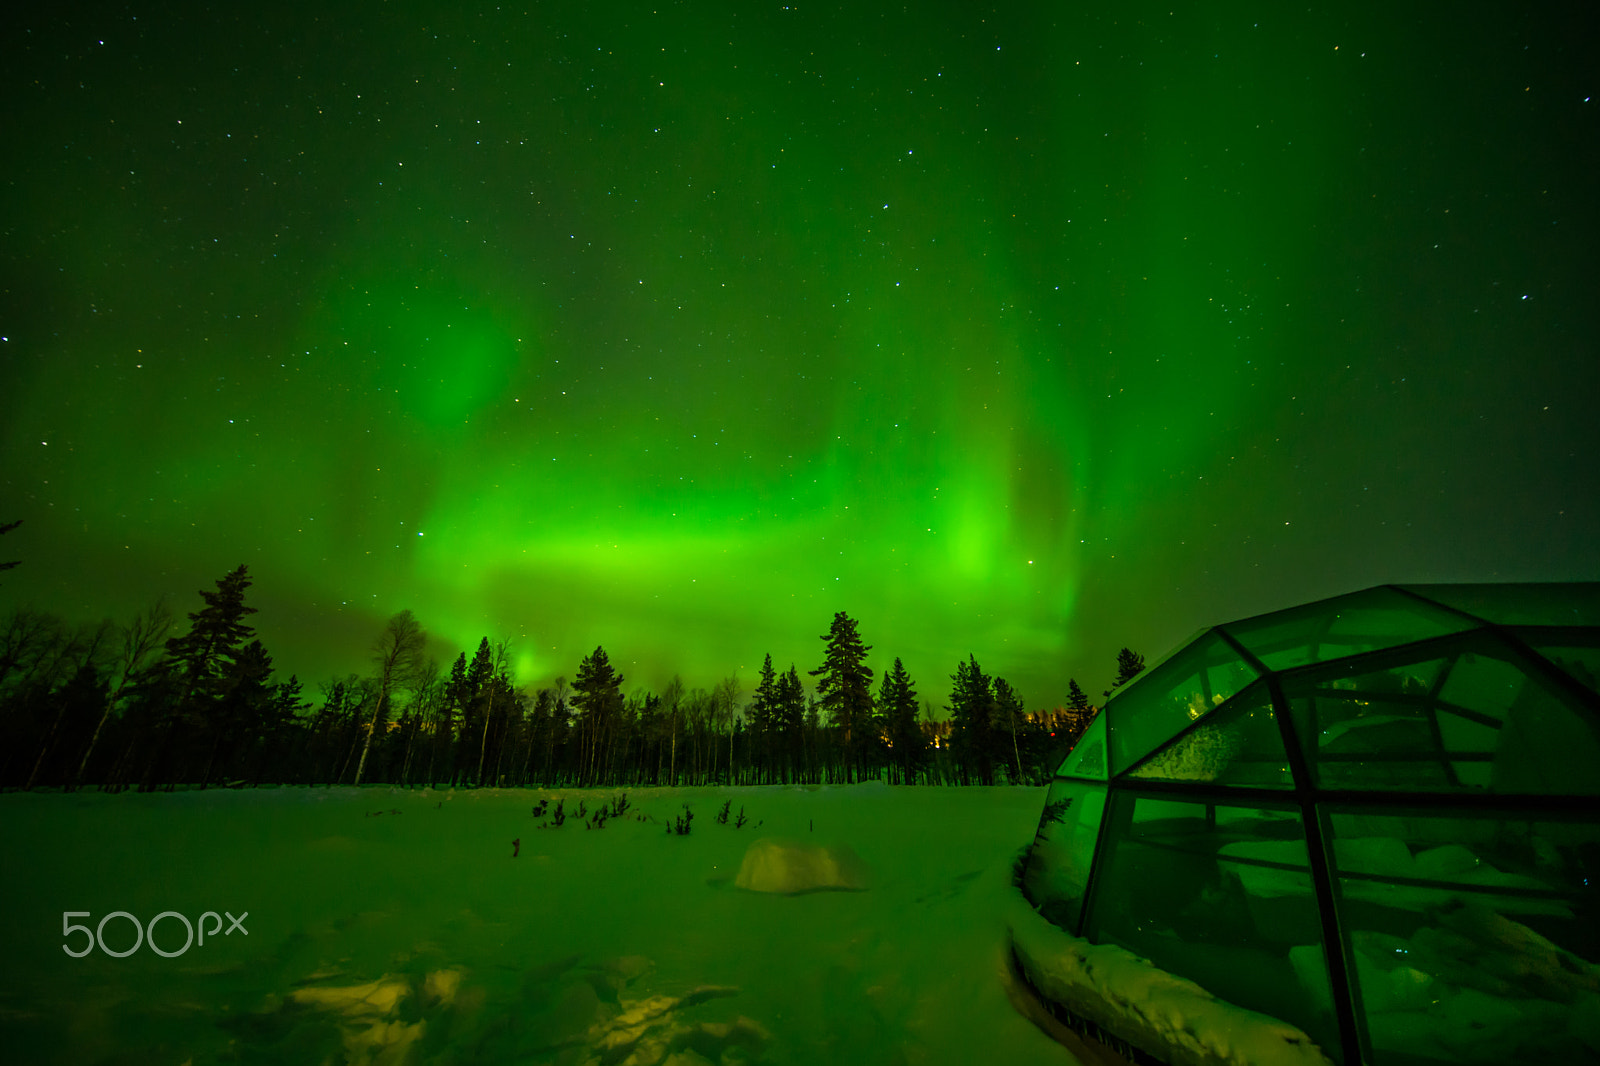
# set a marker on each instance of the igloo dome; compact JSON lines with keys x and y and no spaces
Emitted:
{"x":1362,"y":830}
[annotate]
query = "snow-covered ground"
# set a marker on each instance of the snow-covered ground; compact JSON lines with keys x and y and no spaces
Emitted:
{"x":387,"y":926}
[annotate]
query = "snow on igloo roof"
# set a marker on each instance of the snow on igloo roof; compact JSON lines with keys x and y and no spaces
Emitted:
{"x":1474,"y":687}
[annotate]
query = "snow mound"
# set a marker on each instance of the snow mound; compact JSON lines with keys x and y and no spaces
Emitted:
{"x":788,"y":868}
{"x":1156,"y":1011}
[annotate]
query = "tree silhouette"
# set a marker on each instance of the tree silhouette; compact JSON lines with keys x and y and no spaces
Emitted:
{"x":1076,"y":699}
{"x":488,"y":690}
{"x":216,"y":633}
{"x":139,"y":641}
{"x":200,"y":661}
{"x":1079,"y":715}
{"x":1008,"y":709}
{"x":971,"y":723}
{"x":243,"y":708}
{"x":597,"y":695}
{"x":724,"y":701}
{"x":764,"y":714}
{"x":1129,"y":664}
{"x":791,"y":721}
{"x":908,"y":745}
{"x":844,"y":688}
{"x":397,"y":657}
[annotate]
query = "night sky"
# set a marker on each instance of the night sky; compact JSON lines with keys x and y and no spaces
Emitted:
{"x":1028,"y":332}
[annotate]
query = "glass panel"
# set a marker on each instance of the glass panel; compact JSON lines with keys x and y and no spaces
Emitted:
{"x":1063,"y":850}
{"x":1474,"y":938}
{"x":1569,"y":651}
{"x":1344,"y":625}
{"x":1188,"y":685}
{"x":1375,"y":729}
{"x":1471,"y":719}
{"x":1555,"y":604}
{"x":1542,"y":744}
{"x":1237,"y":744}
{"x":1087,"y":758}
{"x":1221,"y":895}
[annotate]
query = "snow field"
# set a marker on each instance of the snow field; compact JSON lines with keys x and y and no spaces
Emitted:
{"x":620,"y":944}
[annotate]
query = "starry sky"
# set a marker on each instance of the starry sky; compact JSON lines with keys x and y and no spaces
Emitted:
{"x":1028,"y":331}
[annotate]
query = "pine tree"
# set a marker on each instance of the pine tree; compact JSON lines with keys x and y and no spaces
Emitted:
{"x":791,"y":723}
{"x":487,"y":689}
{"x":597,"y":694}
{"x":452,"y":721}
{"x":1079,"y":716}
{"x":971,"y":723}
{"x":764,"y":720}
{"x":908,"y":743}
{"x":845,"y":687}
{"x":200,"y":660}
{"x":1076,"y":699}
{"x":216,"y":633}
{"x":1129,"y":664}
{"x":243,"y":708}
{"x":502,"y":709}
{"x":456,"y":688}
{"x":278,"y":726}
{"x":465,"y":692}
{"x":1008,"y":711}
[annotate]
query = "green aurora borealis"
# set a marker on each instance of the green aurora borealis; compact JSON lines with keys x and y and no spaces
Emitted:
{"x":1029,"y":331}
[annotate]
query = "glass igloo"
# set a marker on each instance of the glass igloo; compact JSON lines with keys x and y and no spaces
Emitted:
{"x":1375,"y":818}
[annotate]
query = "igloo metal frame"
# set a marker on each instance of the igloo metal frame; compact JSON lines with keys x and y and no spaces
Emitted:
{"x":1502,"y":626}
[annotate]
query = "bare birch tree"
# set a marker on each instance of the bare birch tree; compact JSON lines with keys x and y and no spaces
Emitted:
{"x":397,"y":654}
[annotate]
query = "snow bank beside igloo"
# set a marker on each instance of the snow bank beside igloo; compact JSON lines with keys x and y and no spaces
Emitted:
{"x":1156,"y":1011}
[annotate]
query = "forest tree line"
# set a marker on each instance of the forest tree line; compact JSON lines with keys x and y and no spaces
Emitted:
{"x":132,"y":706}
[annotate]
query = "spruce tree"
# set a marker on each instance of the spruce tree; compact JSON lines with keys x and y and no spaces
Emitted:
{"x":791,"y":722}
{"x":488,"y":688}
{"x":908,"y":744}
{"x":200,"y":660}
{"x":844,"y":688}
{"x":452,"y":720}
{"x":1079,"y":715}
{"x":242,"y":710}
{"x":480,"y":671}
{"x":216,"y":633}
{"x":456,"y":688}
{"x":1077,"y":700}
{"x":278,"y":727}
{"x":597,"y":694}
{"x":464,"y":692}
{"x":764,"y":712}
{"x":971,"y":723}
{"x":1008,"y":711}
{"x":1129,"y":664}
